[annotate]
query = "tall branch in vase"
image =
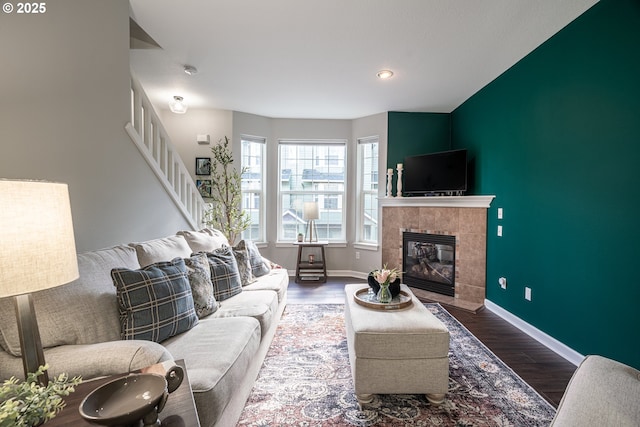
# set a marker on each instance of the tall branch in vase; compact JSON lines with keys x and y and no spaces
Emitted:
{"x":226,"y":213}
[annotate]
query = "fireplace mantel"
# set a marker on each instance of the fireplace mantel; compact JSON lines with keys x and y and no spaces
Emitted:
{"x":438,"y":201}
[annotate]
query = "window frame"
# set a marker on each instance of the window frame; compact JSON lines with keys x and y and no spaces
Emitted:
{"x":260,"y":191}
{"x":317,"y":195}
{"x":362,"y":193}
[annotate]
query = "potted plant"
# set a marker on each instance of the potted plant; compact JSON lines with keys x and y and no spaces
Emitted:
{"x":29,"y":403}
{"x":226,"y":213}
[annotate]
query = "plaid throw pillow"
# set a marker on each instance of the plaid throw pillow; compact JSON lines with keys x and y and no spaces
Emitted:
{"x":155,"y":302}
{"x":258,"y":265}
{"x":224,"y":273}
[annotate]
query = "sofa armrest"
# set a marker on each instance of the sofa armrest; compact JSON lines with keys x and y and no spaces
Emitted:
{"x":602,"y":392}
{"x":92,"y":360}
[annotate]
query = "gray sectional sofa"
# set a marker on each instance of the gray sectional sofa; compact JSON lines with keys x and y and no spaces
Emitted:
{"x":81,"y":324}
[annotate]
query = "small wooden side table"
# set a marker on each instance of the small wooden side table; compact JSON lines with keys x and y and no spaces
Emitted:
{"x":311,"y":266}
{"x":180,"y":410}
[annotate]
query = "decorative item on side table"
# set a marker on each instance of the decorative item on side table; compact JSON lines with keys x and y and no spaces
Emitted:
{"x":118,"y":402}
{"x":310,"y":213}
{"x":30,"y":403}
{"x":36,"y":226}
{"x":385,"y":284}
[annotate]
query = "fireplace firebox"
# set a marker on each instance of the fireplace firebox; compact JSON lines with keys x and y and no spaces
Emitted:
{"x":429,"y":262}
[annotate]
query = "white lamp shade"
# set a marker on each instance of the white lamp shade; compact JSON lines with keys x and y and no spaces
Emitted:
{"x":310,"y":210}
{"x":37,"y":245}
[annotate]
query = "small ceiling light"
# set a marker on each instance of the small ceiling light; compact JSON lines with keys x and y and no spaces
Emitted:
{"x":190,"y":70}
{"x":385,"y":74}
{"x":178,"y":105}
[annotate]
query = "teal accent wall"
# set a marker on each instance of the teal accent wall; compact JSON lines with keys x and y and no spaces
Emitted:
{"x":557,"y":139}
{"x":412,"y":134}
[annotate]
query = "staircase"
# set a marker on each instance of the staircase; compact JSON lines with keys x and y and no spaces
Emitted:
{"x":148,"y":134}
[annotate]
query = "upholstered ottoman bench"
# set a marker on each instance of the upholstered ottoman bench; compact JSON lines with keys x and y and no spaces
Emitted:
{"x":404,"y":351}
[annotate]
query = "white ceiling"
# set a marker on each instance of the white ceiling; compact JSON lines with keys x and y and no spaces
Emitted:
{"x":318,"y":59}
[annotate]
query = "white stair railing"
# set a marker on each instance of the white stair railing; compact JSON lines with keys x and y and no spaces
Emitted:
{"x":148,"y":134}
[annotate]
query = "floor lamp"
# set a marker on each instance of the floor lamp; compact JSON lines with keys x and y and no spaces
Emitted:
{"x":310,"y":213}
{"x":37,"y":252}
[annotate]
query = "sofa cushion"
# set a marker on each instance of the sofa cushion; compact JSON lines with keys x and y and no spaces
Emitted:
{"x":261,"y":305}
{"x":205,"y":240}
{"x":277,"y":280}
{"x":84,"y":311}
{"x":224,"y":273}
{"x":161,"y":250}
{"x":258,"y":265}
{"x":218,"y":354}
{"x":155,"y":302}
{"x":199,"y":274}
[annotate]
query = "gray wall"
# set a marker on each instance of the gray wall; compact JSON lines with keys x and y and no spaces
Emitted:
{"x":64,"y":80}
{"x":341,"y":258}
{"x":184,"y":128}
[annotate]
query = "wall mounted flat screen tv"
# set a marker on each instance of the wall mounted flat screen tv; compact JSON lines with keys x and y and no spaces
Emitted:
{"x":436,"y":174}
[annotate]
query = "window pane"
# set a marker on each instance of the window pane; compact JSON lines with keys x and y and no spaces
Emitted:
{"x":312,"y":172}
{"x":252,"y":187}
{"x":368,"y":190}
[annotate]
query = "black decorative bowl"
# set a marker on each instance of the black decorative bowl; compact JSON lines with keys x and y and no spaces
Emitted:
{"x":126,"y":400}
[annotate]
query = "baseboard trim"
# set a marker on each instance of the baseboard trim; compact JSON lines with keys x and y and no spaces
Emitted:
{"x":551,"y":343}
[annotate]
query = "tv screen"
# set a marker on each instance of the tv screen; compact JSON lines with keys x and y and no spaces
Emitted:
{"x":443,"y":173}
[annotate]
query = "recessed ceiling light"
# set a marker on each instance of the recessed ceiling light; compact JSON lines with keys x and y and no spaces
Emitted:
{"x":190,"y":69}
{"x":385,"y":74}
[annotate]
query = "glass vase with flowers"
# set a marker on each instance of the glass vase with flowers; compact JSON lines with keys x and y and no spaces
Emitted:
{"x":385,"y":283}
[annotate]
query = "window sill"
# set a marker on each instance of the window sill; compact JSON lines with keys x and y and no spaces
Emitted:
{"x":366,"y":246}
{"x":290,"y":244}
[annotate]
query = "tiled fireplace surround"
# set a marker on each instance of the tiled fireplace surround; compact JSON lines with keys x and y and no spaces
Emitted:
{"x":463,"y":217}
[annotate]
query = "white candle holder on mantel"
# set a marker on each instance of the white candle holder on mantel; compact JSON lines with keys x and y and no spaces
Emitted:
{"x":399,"y":183}
{"x":389,"y":182}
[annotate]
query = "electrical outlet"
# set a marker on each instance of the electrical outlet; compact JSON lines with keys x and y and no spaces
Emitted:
{"x":527,"y":293}
{"x":500,"y":213}
{"x":357,"y":255}
{"x":503,"y":282}
{"x":499,"y":231}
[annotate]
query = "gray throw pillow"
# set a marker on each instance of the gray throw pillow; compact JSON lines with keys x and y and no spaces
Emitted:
{"x":199,"y":274}
{"x":224,"y":273}
{"x":244,"y":266}
{"x":258,"y":265}
{"x":155,"y":302}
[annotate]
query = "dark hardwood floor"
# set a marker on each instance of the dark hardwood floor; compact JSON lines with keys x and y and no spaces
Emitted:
{"x":547,"y":372}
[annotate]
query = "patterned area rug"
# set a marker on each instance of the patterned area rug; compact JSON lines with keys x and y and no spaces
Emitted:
{"x":306,"y":381}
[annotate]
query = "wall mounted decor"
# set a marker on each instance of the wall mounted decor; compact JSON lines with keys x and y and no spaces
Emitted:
{"x":203,"y":165}
{"x":204,"y":186}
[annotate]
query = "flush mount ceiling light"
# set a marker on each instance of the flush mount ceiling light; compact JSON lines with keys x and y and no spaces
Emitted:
{"x":178,"y":105}
{"x":190,"y":70}
{"x":384,"y":74}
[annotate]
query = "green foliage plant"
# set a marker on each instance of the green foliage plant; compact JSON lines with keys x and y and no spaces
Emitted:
{"x":226,"y":213}
{"x":29,"y":403}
